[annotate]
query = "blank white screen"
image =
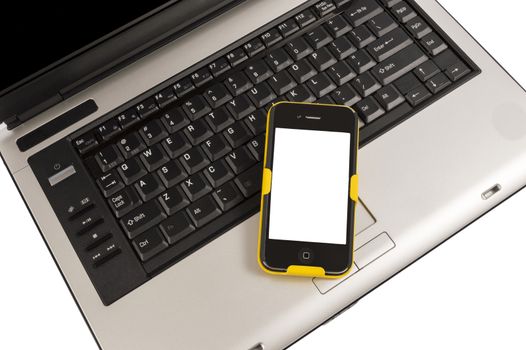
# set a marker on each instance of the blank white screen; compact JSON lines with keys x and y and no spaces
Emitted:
{"x":310,"y":182}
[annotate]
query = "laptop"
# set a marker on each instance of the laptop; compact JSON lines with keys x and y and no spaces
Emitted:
{"x":137,"y":149}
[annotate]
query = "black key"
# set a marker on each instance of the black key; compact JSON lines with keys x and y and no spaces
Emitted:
{"x":321,"y":85}
{"x":203,"y":211}
{"x":142,"y":218}
{"x":382,"y":24}
{"x":403,"y":12}
{"x":325,"y":100}
{"x":86,"y":222}
{"x":258,"y":72}
{"x":131,"y":144}
{"x":124,"y":201}
{"x":240,"y":107}
{"x":418,"y":95}
{"x":86,"y":143}
{"x":238,"y":83}
{"x":369,"y":110}
{"x":426,"y":70}
{"x":438,"y":83}
{"x":174,"y":120}
{"x":154,"y":157}
{"x":149,"y":244}
{"x":457,"y":71}
{"x":257,"y":122}
{"x":237,"y":56}
{"x":95,"y":239}
{"x":300,"y":94}
{"x":228,"y":196}
{"x":217,"y":95}
{"x":399,"y":64}
{"x":149,"y":186}
{"x":318,"y":37}
{"x":171,"y":173}
{"x":110,"y":183}
{"x":340,"y":3}
{"x":196,"y":107}
{"x":173,"y":200}
{"x":337,"y":26}
{"x":128,"y":118}
{"x":131,"y":171}
{"x":322,"y":59}
{"x":271,"y":37}
{"x":341,"y":73}
{"x":240,"y":160}
{"x":219,"y":119}
{"x":108,"y":158}
{"x":201,"y":77}
{"x":361,"y":36}
{"x":418,"y":27}
{"x":177,"y":227}
{"x":433,"y":44}
{"x":345,"y":95}
{"x":250,"y":181}
{"x":237,"y":134}
{"x":194,"y":160}
{"x":361,"y":11}
{"x":302,"y":71}
{"x":298,"y":48}
{"x":305,"y":18}
{"x":288,"y":27}
{"x":216,"y":147}
{"x":261,"y":95}
{"x":257,"y":147}
{"x":342,"y":48}
{"x":196,"y":186}
{"x":389,"y":97}
{"x":361,"y":61}
{"x":254,"y":46}
{"x":147,"y":107}
{"x":281,"y":83}
{"x":219,"y":66}
{"x":407,"y":83}
{"x":365,"y":84}
{"x":104,"y":254}
{"x":165,"y":97}
{"x":445,"y":59}
{"x":153,"y":132}
{"x":323,"y":8}
{"x":183,"y":87}
{"x":389,"y":44}
{"x":79,"y":207}
{"x":176,"y":144}
{"x":279,"y":60}
{"x":390,"y":3}
{"x":109,"y":129}
{"x":218,"y":173}
{"x":197,"y":132}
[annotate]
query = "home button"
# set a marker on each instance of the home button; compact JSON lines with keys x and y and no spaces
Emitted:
{"x":305,"y":255}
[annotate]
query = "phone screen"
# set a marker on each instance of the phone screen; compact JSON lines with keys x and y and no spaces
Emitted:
{"x":310,"y":186}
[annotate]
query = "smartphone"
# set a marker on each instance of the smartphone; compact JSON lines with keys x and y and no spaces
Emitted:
{"x":309,"y":190}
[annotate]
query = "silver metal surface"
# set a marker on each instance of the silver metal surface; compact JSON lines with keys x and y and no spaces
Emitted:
{"x":423,"y":182}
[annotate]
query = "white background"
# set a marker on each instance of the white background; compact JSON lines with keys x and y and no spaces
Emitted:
{"x":467,"y":294}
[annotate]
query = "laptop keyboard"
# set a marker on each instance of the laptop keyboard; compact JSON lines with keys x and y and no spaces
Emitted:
{"x":183,"y":165}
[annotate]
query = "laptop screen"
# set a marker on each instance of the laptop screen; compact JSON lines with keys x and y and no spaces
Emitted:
{"x":37,"y":34}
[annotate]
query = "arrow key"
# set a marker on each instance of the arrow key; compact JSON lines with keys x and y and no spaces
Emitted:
{"x":418,"y":95}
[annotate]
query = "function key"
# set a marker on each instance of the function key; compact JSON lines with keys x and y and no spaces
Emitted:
{"x":79,"y":207}
{"x":104,"y":254}
{"x":254,"y":46}
{"x":128,"y":118}
{"x":109,"y":157}
{"x":288,"y":27}
{"x":433,"y":44}
{"x":86,"y":143}
{"x":149,"y":244}
{"x":201,"y":77}
{"x":305,"y":18}
{"x":271,"y":37}
{"x":403,"y":12}
{"x":165,"y":97}
{"x":237,"y":56}
{"x":109,"y":129}
{"x":219,"y":66}
{"x":183,"y":87}
{"x":110,"y":183}
{"x":323,"y":8}
{"x":418,"y":27}
{"x":147,"y":107}
{"x":361,"y":11}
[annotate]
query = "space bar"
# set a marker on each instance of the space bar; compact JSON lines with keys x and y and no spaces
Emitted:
{"x":399,"y":64}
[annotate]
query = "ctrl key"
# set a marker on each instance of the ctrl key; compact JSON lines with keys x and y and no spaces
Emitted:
{"x":149,"y":244}
{"x":104,"y":254}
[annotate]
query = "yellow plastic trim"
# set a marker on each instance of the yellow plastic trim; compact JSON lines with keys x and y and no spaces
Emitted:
{"x":267,"y":181}
{"x":353,"y":188}
{"x":307,"y":271}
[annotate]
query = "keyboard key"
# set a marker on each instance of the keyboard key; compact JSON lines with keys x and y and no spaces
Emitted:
{"x":445,"y":59}
{"x":173,"y":200}
{"x":196,"y":186}
{"x":326,"y":100}
{"x":147,"y":107}
{"x":201,"y":77}
{"x":236,"y":57}
{"x":95,"y":239}
{"x":438,"y":83}
{"x":86,"y":143}
{"x":177,"y":227}
{"x":340,"y":3}
{"x":368,"y":109}
{"x":153,"y":132}
{"x":341,"y":73}
{"x":298,"y":48}
{"x":228,"y":196}
{"x":217,"y":95}
{"x":261,"y":95}
{"x":258,"y":72}
{"x":149,"y":187}
{"x":219,"y":66}
{"x":203,"y":211}
{"x":174,"y":120}
{"x":361,"y":61}
{"x":365,"y":84}
{"x":433,"y":44}
{"x":104,"y":254}
{"x":399,"y":64}
{"x":124,"y":201}
{"x":418,"y":95}
{"x":108,"y":158}
{"x":318,"y":37}
{"x":279,"y":60}
{"x":342,"y":48}
{"x":240,"y":159}
{"x":271,"y":37}
{"x":149,"y":244}
{"x":302,"y":71}
{"x":361,"y":36}
{"x":183,"y":87}
{"x":389,"y":44}
{"x":321,"y":85}
{"x":176,"y":144}
{"x":300,"y":94}
{"x":345,"y":95}
{"x":403,"y":12}
{"x":457,"y":71}
{"x":389,"y":97}
{"x":86,"y":222}
{"x":322,"y":59}
{"x":238,"y":83}
{"x":254,"y":46}
{"x":218,"y":173}
{"x":288,"y":27}
{"x":110,"y":183}
{"x":257,"y":122}
{"x":194,"y":160}
{"x":418,"y":27}
{"x":142,"y":218}
{"x":250,"y":181}
{"x":237,"y":134}
{"x":196,"y":107}
{"x":382,"y":24}
{"x":197,"y":132}
{"x":361,"y":11}
{"x":216,"y":147}
{"x":305,"y":18}
{"x":131,"y":145}
{"x":128,"y":118}
{"x":426,"y":70}
{"x":337,"y":26}
{"x":171,"y":173}
{"x":281,"y":83}
{"x":407,"y":83}
{"x":154,"y":157}
{"x":131,"y":171}
{"x":323,"y":8}
{"x":109,"y":129}
{"x":219,"y":119}
{"x":390,"y":3}
{"x":257,"y":147}
{"x":240,"y":107}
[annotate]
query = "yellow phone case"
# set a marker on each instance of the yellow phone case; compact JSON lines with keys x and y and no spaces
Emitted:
{"x":302,"y":270}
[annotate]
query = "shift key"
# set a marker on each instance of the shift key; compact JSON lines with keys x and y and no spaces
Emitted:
{"x":399,"y":64}
{"x":144,"y":217}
